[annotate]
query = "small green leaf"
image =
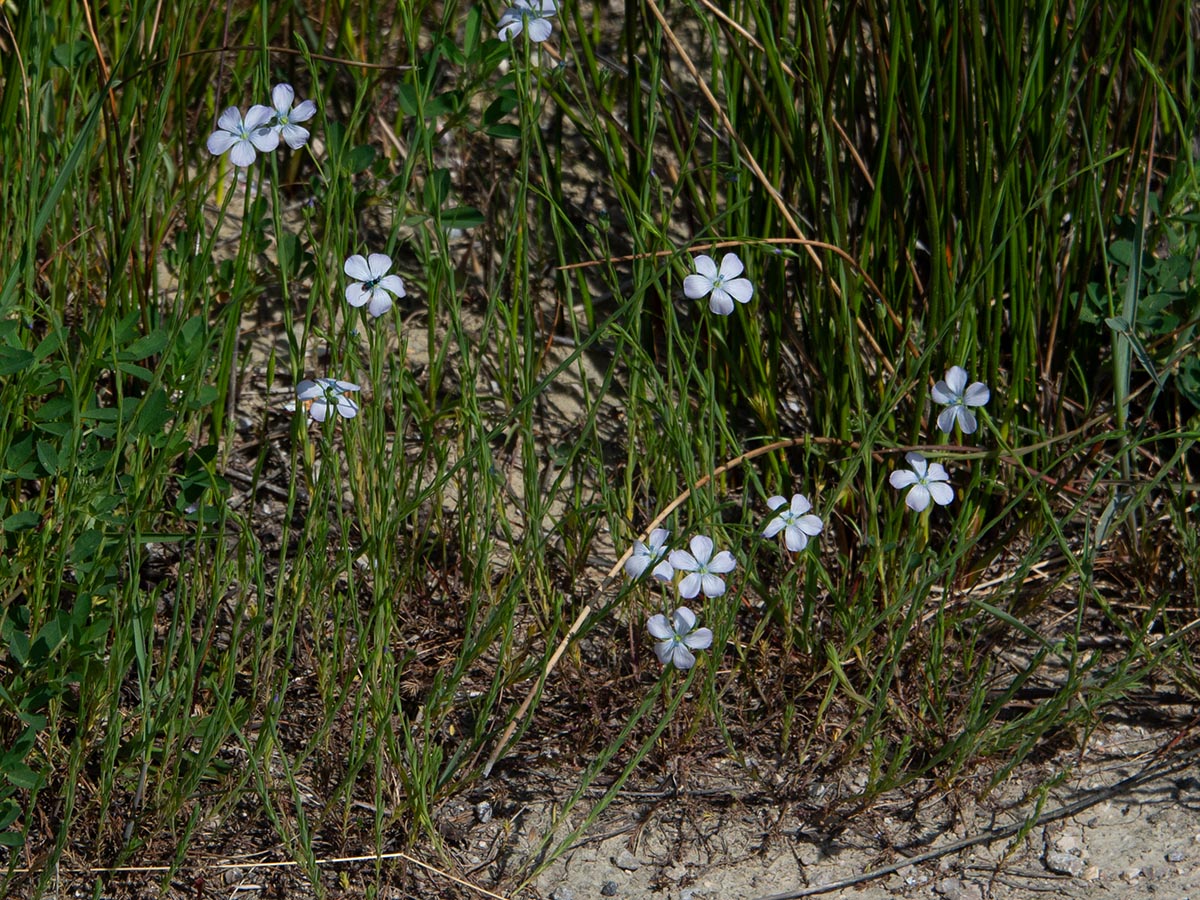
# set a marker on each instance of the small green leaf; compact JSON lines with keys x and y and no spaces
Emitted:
{"x":360,"y":158}
{"x":503,"y":132}
{"x":148,"y":345}
{"x":22,"y":777}
{"x":462,"y":217}
{"x":154,"y":414}
{"x":14,"y":359}
{"x":472,"y":31}
{"x":22,"y":521}
{"x":48,"y":456}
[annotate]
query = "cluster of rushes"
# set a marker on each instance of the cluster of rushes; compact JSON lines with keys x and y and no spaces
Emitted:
{"x":925,"y":481}
{"x":373,"y":286}
{"x":263,"y":128}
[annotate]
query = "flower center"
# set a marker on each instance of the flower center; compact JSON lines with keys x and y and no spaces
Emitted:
{"x":372,"y":283}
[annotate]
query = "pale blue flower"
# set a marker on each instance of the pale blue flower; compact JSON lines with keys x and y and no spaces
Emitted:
{"x":926,"y":481}
{"x":795,"y":522}
{"x":644,"y":555}
{"x":703,"y":568}
{"x":723,"y":284}
{"x":530,"y":16}
{"x":957,"y":395}
{"x":242,"y":137}
{"x":678,"y":637}
{"x":327,"y":395}
{"x":373,"y":286}
{"x":286,"y":116}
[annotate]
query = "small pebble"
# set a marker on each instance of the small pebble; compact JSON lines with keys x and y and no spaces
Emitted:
{"x":626,"y":861}
{"x":562,"y":892}
{"x":1063,"y":863}
{"x":609,"y":889}
{"x":1175,"y":856}
{"x":483,"y":812}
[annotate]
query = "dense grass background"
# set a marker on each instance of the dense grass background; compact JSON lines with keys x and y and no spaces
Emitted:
{"x":211,"y":611}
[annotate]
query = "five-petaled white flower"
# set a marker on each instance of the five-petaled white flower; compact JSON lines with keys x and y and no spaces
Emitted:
{"x":286,"y":116}
{"x":326,"y":395}
{"x":797,"y":527}
{"x":241,"y":137}
{"x":373,"y":285}
{"x":643,"y":556}
{"x":703,"y":568}
{"x":957,"y":395}
{"x":723,"y":284}
{"x":530,"y":16}
{"x":926,"y":480}
{"x":677,"y":639}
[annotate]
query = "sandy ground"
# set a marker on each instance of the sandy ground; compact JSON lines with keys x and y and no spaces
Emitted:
{"x":1123,"y":823}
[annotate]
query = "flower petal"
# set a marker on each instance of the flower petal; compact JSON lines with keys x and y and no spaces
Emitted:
{"x":966,"y":420}
{"x":690,"y":586}
{"x":682,"y":657}
{"x":319,"y":410}
{"x":303,"y":112}
{"x":242,"y":153}
{"x":723,"y":562}
{"x":510,"y":25}
{"x":773,"y":528}
{"x":658,"y":537}
{"x":683,"y":561}
{"x":917,"y":461}
{"x":977,"y":394}
{"x":258,"y":116}
{"x":776,"y":501}
{"x":684,"y":620}
{"x":355,"y":295}
{"x":702,"y":548}
{"x":941,"y":492}
{"x":220,"y":141}
{"x":381,"y":302}
{"x":638,"y":560}
{"x":741,"y":289}
{"x":265,"y":139}
{"x":918,"y":498}
{"x":659,"y":627}
{"x":664,"y":650}
{"x":392,"y":283}
{"x":230,"y":119}
{"x":282,"y":96}
{"x":346,"y":407}
{"x":902,"y":478}
{"x":712,"y":585}
{"x":810,"y":525}
{"x":941,"y":393}
{"x":696,"y":286}
{"x":664,"y":571}
{"x":294,"y":136}
{"x":937,"y":472}
{"x":705,"y":265}
{"x":800,"y":504}
{"x":956,"y":380}
{"x":308,"y":390}
{"x":795,"y":539}
{"x":356,"y":268}
{"x":700,"y":639}
{"x":720,"y":302}
{"x":378,"y":264}
{"x":539,"y":30}
{"x":731,"y":266}
{"x":945,"y":419}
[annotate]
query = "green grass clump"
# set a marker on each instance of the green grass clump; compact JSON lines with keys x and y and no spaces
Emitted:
{"x":211,"y":608}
